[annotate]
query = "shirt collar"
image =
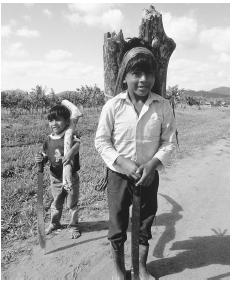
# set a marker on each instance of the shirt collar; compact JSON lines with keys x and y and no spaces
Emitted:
{"x":55,"y":137}
{"x":151,"y":97}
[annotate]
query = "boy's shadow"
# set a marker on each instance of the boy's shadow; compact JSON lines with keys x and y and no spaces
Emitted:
{"x":198,"y":252}
{"x":90,"y":226}
{"x":168,"y":220}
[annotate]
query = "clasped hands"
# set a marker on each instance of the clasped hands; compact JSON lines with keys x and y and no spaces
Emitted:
{"x":142,"y":175}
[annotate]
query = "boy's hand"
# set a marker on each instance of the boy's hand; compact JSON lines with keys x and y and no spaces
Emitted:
{"x":129,"y":167}
{"x":147,"y":171}
{"x":68,"y":158}
{"x":39,"y":158}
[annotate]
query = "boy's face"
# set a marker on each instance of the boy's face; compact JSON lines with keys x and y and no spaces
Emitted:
{"x":140,"y":82}
{"x":58,"y":125}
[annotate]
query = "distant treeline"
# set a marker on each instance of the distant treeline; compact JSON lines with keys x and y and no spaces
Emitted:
{"x":218,"y":93}
{"x":37,"y":99}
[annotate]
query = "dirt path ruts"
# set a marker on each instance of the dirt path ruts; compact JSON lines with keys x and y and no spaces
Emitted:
{"x":190,"y":235}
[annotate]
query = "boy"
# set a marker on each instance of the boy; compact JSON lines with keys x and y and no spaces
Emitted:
{"x":53,"y":151}
{"x":135,"y":137}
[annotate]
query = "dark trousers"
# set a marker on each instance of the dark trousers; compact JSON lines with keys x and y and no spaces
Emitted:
{"x":119,"y":192}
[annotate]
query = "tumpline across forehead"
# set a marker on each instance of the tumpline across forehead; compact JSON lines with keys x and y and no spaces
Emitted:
{"x":129,"y":55}
{"x":137,"y":51}
{"x":140,"y":62}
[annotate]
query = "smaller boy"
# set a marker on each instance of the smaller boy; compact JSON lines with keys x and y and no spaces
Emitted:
{"x":53,"y":151}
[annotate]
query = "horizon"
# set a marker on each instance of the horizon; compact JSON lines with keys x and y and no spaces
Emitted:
{"x":19,"y":89}
{"x":59,"y":45}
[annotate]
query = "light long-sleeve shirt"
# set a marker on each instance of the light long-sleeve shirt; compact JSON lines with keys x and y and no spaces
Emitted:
{"x":121,"y":132}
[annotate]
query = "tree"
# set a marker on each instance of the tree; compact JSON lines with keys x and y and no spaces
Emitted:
{"x":39,"y":100}
{"x":175,"y":95}
{"x":151,"y":31}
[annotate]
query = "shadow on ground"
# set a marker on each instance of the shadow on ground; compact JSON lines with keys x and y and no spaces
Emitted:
{"x":198,"y":252}
{"x":85,"y":227}
{"x":75,"y":244}
{"x":90,"y":226}
{"x":169,"y":221}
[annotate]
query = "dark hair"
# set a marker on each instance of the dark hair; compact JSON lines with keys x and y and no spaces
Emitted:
{"x":132,"y":43}
{"x":141,"y":62}
{"x":58,"y":111}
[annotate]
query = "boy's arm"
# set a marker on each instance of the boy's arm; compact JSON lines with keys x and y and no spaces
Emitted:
{"x":41,"y":156}
{"x":76,"y":145}
{"x":105,"y":147}
{"x":167,"y":137}
{"x":103,"y":138}
{"x":72,"y":152}
{"x":167,"y":146}
{"x":44,"y":152}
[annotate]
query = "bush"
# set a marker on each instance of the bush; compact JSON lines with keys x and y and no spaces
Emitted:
{"x":20,"y":101}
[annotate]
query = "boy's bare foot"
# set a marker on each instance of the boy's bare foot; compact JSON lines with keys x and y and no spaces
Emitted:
{"x":145,"y":275}
{"x":52,"y":227}
{"x":75,"y":232}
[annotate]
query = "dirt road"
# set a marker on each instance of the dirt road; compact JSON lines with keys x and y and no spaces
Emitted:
{"x":190,"y":235}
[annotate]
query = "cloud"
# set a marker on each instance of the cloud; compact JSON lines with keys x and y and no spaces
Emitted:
{"x":58,"y":54}
{"x":220,"y":57}
{"x":48,"y":13}
{"x":217,"y":38}
{"x":26,"y":32}
{"x":183,"y":30}
{"x":16,"y":50}
{"x":224,"y":58}
{"x":92,"y":8}
{"x":61,"y":75}
{"x":102,"y":16}
{"x":6,"y":30}
{"x":112,"y":18}
{"x":29,"y":5}
{"x":196,"y":74}
{"x":74,"y":18}
{"x":27,"y":18}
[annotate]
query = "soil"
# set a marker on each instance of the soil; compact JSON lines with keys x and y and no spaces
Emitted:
{"x":190,"y":233}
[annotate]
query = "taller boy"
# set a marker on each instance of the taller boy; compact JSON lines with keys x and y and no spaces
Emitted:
{"x":135,"y":137}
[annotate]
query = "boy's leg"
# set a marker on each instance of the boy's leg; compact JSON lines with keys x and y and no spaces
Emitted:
{"x":118,"y":264}
{"x":48,"y":199}
{"x":72,"y":202}
{"x":148,"y":211}
{"x":57,"y":205}
{"x":143,"y":273}
{"x":119,"y":200}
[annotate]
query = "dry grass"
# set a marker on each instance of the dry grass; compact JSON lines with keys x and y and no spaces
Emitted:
{"x":22,"y":137}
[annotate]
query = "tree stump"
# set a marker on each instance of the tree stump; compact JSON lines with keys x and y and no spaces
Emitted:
{"x":151,"y":30}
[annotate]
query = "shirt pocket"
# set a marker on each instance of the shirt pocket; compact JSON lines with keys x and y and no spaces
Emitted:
{"x":153,"y":126}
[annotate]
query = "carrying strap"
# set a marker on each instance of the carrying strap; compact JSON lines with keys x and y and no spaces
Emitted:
{"x":173,"y":109}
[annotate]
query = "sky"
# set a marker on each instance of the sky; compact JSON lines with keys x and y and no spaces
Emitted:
{"x":60,"y":45}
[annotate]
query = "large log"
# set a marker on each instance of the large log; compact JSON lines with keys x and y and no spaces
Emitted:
{"x":113,"y":44}
{"x":152,"y":31}
{"x":75,"y":114}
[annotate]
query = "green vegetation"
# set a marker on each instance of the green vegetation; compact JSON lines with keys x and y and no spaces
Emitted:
{"x":22,"y":137}
{"x":37,"y":100}
{"x":18,"y":102}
